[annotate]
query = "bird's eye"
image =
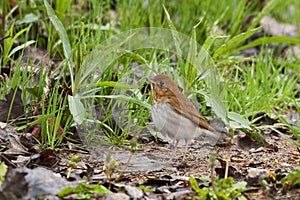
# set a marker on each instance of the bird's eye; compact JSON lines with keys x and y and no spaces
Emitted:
{"x":161,"y":83}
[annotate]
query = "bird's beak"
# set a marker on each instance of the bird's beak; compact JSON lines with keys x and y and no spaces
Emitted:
{"x":150,"y":80}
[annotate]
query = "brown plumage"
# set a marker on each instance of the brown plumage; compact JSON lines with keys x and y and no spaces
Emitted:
{"x":170,"y":106}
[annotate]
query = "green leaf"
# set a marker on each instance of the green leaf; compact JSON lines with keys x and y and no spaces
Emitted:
{"x":84,"y":188}
{"x":3,"y":170}
{"x":295,"y":131}
{"x":190,"y":72}
{"x":145,"y":189}
{"x":123,"y":97}
{"x":15,"y":82}
{"x":76,"y":108}
{"x":238,"y":121}
{"x":28,"y":18}
{"x":22,"y":46}
{"x":115,"y":84}
{"x":194,"y":184}
{"x":266,"y":10}
{"x":8,"y":42}
{"x":225,"y":183}
{"x":214,"y":100}
{"x":175,"y":35}
{"x":292,"y":178}
{"x":237,"y":17}
{"x":258,"y":137}
{"x":288,"y":138}
{"x":218,"y":106}
{"x":231,"y":46}
{"x":64,"y":38}
{"x":34,"y":91}
{"x":209,"y":42}
{"x":240,"y":185}
{"x":61,"y":7}
{"x":222,"y":195}
{"x":269,"y":40}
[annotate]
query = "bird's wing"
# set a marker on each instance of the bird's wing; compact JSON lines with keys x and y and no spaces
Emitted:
{"x":188,"y":110}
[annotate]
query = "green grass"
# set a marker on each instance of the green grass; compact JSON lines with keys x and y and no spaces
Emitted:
{"x":243,"y":85}
{"x":260,"y":86}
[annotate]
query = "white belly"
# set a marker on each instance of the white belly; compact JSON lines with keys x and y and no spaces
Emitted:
{"x":170,"y":123}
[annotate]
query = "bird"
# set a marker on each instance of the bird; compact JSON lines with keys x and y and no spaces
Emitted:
{"x":175,"y":116}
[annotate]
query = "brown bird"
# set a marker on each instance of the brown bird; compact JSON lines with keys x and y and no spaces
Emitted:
{"x":174,"y":115}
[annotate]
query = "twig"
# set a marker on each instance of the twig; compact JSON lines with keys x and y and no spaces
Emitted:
{"x":228,"y":153}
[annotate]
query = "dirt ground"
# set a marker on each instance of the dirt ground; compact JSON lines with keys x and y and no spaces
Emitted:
{"x":160,"y":166}
{"x":155,"y":165}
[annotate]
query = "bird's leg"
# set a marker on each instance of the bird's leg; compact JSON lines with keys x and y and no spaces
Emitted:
{"x":176,"y":144}
{"x":174,"y":150}
{"x":185,"y":149}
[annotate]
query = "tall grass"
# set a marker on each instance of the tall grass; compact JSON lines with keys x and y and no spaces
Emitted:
{"x":247,"y":85}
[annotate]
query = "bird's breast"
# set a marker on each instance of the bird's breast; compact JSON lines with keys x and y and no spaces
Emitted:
{"x":170,"y":122}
